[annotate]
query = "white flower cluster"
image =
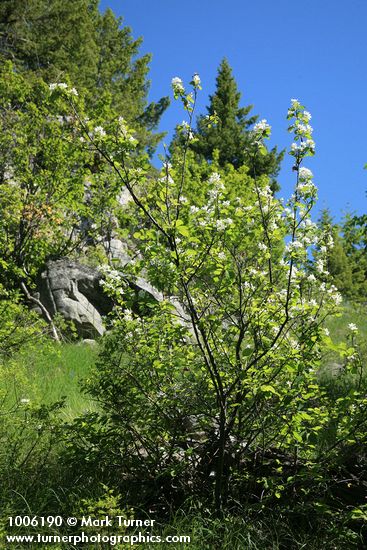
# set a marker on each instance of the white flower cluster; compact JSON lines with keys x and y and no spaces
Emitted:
{"x":261,"y":130}
{"x":305,"y":174}
{"x":301,"y":149}
{"x":308,"y":225}
{"x":221,"y":225}
{"x":265,"y":191}
{"x":63,"y":86}
{"x":303,"y":130}
{"x":353,"y":328}
{"x":214,"y":178}
{"x":177,"y":85}
{"x":307,"y":190}
{"x":331,"y":293}
{"x":262,"y":126}
{"x":58,"y":86}
{"x":167,"y":179}
{"x":208,"y":215}
{"x":125,"y":131}
{"x":128,"y":315}
{"x":99,"y":131}
{"x":295,"y":109}
{"x":196,"y":80}
{"x":304,"y":145}
{"x":294,"y":245}
{"x":213,"y":193}
{"x":320,"y":267}
{"x":113,"y":280}
{"x":330,"y":241}
{"x":186,"y":129}
{"x":248,"y":286}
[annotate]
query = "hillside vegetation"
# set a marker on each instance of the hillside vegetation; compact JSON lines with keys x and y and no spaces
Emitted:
{"x":226,"y":399}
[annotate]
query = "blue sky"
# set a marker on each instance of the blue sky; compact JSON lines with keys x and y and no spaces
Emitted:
{"x":315,"y":51}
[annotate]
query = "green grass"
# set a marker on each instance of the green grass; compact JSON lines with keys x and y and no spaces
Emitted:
{"x":352,"y":313}
{"x":52,"y":372}
{"x":340,"y":332}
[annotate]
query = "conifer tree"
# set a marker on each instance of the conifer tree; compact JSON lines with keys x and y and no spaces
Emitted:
{"x":231,"y":136}
{"x":58,"y":39}
{"x":338,"y":263}
{"x":354,"y":229}
{"x":51,"y":37}
{"x":123,"y":75}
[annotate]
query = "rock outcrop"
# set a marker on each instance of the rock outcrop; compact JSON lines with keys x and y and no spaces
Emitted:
{"x":73,"y":290}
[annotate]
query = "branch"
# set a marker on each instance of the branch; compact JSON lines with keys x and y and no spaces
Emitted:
{"x":43,"y":309}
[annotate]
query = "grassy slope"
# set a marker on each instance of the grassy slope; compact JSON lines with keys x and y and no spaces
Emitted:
{"x":352,"y":313}
{"x":54,"y":372}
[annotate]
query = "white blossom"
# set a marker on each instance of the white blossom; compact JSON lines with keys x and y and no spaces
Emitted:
{"x":214,"y":178}
{"x":337,"y":298}
{"x":100,"y":131}
{"x":352,"y":327}
{"x":58,"y":85}
{"x":196,"y":80}
{"x":303,"y":129}
{"x":306,"y":145}
{"x":265,"y":192}
{"x":177,"y":85}
{"x":320,"y":267}
{"x":213,"y":193}
{"x":221,"y":225}
{"x":294,"y":245}
{"x":262,"y":127}
{"x":128,"y":314}
{"x":305,"y":174}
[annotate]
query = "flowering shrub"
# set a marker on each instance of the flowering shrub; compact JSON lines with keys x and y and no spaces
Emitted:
{"x":221,"y":393}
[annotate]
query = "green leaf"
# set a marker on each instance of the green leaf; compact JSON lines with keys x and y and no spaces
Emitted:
{"x":268,"y":389}
{"x":183,"y":230}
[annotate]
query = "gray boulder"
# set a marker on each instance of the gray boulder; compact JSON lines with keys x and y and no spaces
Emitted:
{"x":73,"y":290}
